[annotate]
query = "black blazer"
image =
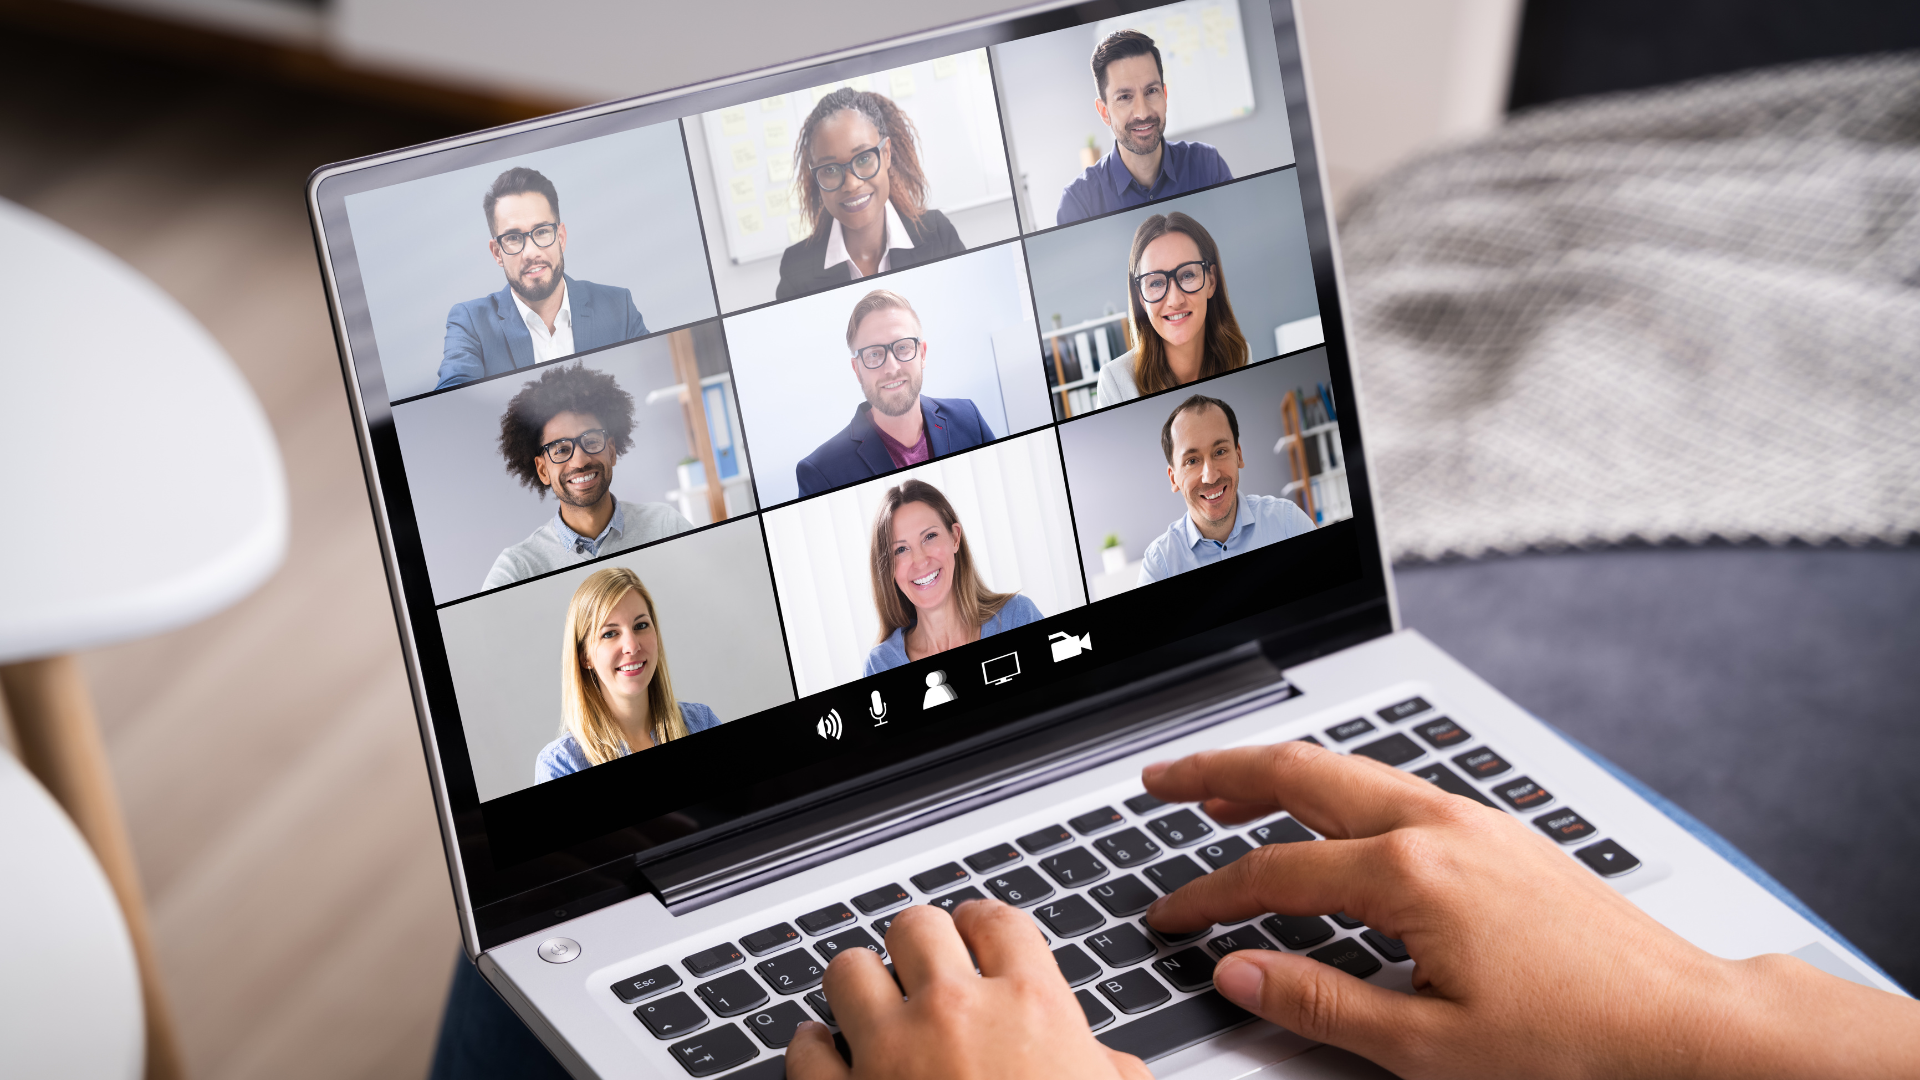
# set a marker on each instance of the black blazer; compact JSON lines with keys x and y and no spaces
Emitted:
{"x":801,"y":273}
{"x":953,"y":425}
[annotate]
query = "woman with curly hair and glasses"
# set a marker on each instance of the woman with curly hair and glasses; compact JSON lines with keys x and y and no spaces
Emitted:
{"x":1180,"y":326}
{"x":615,"y":696}
{"x":857,"y":167}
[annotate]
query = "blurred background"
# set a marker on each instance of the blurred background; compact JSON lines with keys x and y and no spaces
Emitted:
{"x":267,"y":758}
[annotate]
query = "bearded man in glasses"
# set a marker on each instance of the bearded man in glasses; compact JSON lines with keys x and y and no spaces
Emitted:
{"x":562,"y":433}
{"x":541,"y":314}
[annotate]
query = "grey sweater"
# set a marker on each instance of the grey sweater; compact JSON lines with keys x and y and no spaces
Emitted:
{"x":553,"y":545}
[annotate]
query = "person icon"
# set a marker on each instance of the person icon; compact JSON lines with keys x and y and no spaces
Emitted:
{"x":938,"y":692}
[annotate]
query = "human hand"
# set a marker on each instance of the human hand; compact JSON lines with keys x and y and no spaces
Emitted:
{"x":1015,"y":1019}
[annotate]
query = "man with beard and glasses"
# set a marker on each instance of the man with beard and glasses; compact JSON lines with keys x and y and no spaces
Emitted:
{"x":541,"y":314}
{"x":1201,"y":440}
{"x":562,"y":433}
{"x":1131,"y":98}
{"x":895,"y":427}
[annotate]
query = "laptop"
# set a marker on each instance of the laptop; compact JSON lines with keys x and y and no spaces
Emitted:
{"x":820,"y":491}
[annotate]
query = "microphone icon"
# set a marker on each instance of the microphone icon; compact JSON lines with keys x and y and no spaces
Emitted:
{"x":877,"y":710}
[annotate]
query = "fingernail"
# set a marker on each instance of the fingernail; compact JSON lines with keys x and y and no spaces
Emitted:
{"x":1155,"y":907}
{"x":1154,"y":770}
{"x":1240,"y":981}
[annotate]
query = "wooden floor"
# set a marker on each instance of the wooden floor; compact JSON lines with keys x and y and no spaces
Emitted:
{"x":268,"y":757}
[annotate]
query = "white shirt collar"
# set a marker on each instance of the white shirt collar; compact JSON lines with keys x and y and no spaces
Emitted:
{"x":895,"y":238}
{"x":536,"y":325}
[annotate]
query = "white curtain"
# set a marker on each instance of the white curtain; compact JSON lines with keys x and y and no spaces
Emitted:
{"x":1012,"y":501}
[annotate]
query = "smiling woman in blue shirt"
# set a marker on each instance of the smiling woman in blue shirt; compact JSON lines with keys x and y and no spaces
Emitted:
{"x":1130,"y":94}
{"x":1201,"y":440}
{"x":925,"y":588}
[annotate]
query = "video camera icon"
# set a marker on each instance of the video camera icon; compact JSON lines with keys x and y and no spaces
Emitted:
{"x":1066,"y":646}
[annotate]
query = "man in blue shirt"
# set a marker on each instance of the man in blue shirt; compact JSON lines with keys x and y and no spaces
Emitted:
{"x":1202,"y":443}
{"x":1143,"y":166}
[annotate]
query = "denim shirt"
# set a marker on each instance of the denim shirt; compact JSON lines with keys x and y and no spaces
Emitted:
{"x":1107,"y":186}
{"x":1260,"y":520}
{"x":892,"y":652}
{"x":563,"y":755}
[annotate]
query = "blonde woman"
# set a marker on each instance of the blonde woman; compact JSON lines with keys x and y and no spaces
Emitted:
{"x":615,"y":696}
{"x":929,"y":596}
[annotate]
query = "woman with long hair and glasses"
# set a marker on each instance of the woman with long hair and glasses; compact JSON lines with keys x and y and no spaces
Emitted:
{"x":1180,"y":326}
{"x":615,"y":696}
{"x":925,"y":588}
{"x":857,"y":167}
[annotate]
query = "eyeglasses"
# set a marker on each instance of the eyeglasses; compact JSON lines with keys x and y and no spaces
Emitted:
{"x":1190,"y":276}
{"x":875,"y":356}
{"x":513,"y":243}
{"x":559,"y":450}
{"x":865,"y":165}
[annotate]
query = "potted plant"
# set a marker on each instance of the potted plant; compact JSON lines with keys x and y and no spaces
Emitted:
{"x":1113,"y":555}
{"x":692,"y":476}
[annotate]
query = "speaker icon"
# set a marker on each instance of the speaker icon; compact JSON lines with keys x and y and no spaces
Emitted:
{"x":829,"y":726}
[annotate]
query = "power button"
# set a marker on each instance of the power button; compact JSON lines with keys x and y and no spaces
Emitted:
{"x":559,"y":950}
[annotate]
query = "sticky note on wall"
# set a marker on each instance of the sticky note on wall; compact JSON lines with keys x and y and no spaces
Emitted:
{"x":901,"y":83}
{"x":733,"y":122}
{"x":749,"y":220}
{"x":744,"y":156}
{"x":742,"y":189}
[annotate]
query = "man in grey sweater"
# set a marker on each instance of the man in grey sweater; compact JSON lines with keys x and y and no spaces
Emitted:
{"x":563,"y":432}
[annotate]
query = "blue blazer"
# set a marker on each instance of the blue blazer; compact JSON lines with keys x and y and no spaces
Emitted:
{"x":953,"y":425}
{"x":487,"y":336}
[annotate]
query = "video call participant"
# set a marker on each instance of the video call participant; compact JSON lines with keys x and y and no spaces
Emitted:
{"x":896,"y":427}
{"x":1181,"y":325}
{"x":1201,"y":440}
{"x":1131,"y":98}
{"x":615,"y":696}
{"x":929,"y":597}
{"x":541,"y":314}
{"x":563,"y":432}
{"x":857,"y":165}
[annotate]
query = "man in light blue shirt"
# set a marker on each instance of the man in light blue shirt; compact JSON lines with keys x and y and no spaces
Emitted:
{"x":1202,"y":443}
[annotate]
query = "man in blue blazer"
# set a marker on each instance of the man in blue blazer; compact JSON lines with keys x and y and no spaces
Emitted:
{"x":895,"y":427}
{"x":541,"y":314}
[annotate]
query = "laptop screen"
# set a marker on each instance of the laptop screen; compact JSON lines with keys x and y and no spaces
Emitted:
{"x":736,"y":445}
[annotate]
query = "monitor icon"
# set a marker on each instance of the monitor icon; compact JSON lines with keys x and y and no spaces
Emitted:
{"x":1001,"y":669}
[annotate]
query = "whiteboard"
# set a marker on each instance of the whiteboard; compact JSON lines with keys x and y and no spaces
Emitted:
{"x":1204,"y":54}
{"x":951,"y":103}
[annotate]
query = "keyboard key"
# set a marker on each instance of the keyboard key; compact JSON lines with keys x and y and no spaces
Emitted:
{"x":1482,"y":764}
{"x":1608,"y":858}
{"x":1180,"y":828}
{"x":1522,"y":794}
{"x":856,"y":938}
{"x":646,"y":984}
{"x":1565,"y":826}
{"x":716,"y":1051}
{"x":775,"y":1026}
{"x":1143,"y":804}
{"x":672,"y":1017}
{"x":789,"y":973}
{"x":1074,"y":867}
{"x":1282,"y":831}
{"x":1395,"y":713}
{"x":1094,"y":820}
{"x":1046,"y":839}
{"x":731,"y":995}
{"x":983,"y":861}
{"x":881,"y":926}
{"x":1395,"y":749}
{"x":819,"y":922}
{"x":1442,"y":733}
{"x":1098,"y":1016}
{"x":1174,"y":872}
{"x":1177,"y":1027}
{"x":1134,"y":991}
{"x":940,"y":877}
{"x":1188,"y":970}
{"x":1392,"y":948}
{"x":1075,"y":965}
{"x":1450,"y":782}
{"x":1176,"y":940}
{"x":762,"y":942}
{"x":1020,"y":886}
{"x":1297,"y":931}
{"x":1310,"y":739}
{"x":1120,"y":946}
{"x":707,"y":961}
{"x":880,"y":899}
{"x":1224,"y":852}
{"x":1123,"y":896}
{"x":1236,"y":940}
{"x":1069,"y":916}
{"x":960,"y":896}
{"x":817,"y":1001}
{"x":1351,"y":729}
{"x":1347,"y":955}
{"x":1129,"y":847}
{"x":1346,"y":921}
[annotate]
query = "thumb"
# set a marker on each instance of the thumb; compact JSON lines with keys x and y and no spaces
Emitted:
{"x":812,"y":1056}
{"x":1325,"y":1004}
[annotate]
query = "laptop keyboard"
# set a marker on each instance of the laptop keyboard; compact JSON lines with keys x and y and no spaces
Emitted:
{"x":1086,"y":883}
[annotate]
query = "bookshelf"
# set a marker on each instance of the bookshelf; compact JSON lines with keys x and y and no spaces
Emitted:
{"x":1073,"y":356}
{"x":1311,"y":445}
